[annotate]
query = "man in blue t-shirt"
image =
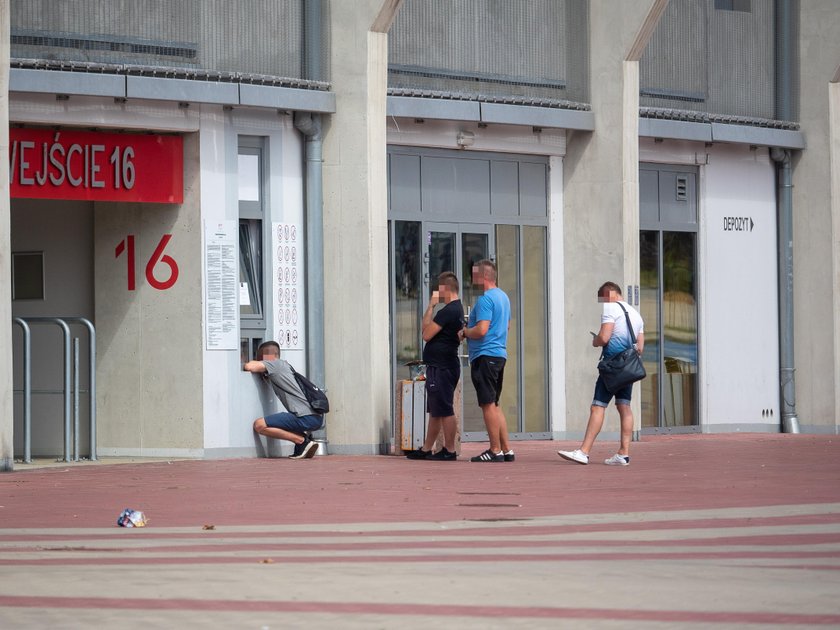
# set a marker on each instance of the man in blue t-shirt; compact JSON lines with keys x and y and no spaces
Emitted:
{"x":441,"y":333}
{"x":486,"y":334}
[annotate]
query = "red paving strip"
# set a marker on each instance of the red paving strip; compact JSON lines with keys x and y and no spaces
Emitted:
{"x":668,"y":473}
{"x":492,"y":532}
{"x":409,"y":558}
{"x":441,"y":610}
{"x":757,"y":541}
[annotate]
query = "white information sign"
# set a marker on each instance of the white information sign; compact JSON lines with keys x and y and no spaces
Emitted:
{"x":222,"y":292}
{"x":287,"y":263}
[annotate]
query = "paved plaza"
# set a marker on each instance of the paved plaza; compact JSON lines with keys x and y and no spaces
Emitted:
{"x":700,"y":531}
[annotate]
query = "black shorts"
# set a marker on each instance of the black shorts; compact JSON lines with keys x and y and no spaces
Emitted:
{"x":487,"y":376}
{"x":440,"y":391}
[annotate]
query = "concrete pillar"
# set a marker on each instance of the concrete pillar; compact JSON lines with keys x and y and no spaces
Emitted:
{"x":6,"y":381}
{"x":355,"y":231}
{"x":816,"y":217}
{"x":601,"y":190}
{"x":834,"y":169}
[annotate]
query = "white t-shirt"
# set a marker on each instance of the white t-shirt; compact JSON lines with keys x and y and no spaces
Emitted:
{"x":620,"y":339}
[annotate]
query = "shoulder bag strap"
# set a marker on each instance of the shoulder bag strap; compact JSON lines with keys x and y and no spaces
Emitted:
{"x":629,"y":325}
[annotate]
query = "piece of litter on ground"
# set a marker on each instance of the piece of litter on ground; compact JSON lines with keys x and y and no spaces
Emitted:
{"x":132,"y":518}
{"x":209,"y":527}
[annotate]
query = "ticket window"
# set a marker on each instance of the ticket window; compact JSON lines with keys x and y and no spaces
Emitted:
{"x":252,"y":237}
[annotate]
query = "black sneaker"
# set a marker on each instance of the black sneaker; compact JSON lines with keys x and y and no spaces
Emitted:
{"x":418,"y":454}
{"x":488,"y":456}
{"x":444,"y":455}
{"x":305,"y":450}
{"x":510,"y":456}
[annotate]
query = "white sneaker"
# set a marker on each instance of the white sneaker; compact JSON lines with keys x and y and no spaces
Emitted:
{"x":576,"y":455}
{"x":618,"y":460}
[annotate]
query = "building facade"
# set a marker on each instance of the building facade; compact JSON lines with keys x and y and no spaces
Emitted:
{"x":194,"y":178}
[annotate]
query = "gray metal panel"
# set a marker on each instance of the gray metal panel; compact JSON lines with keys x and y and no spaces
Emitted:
{"x":455,"y":187}
{"x":504,"y":183}
{"x":648,"y":198}
{"x":432,"y":108}
{"x":182,"y":90}
{"x":293,"y":99}
{"x":761,"y":136}
{"x":537,"y":116}
{"x":674,"y":212}
{"x":674,"y":129}
{"x":57,"y":82}
{"x":404,"y":171}
{"x":533,"y":191}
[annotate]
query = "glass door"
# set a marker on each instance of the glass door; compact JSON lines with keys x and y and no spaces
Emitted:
{"x":669,"y":308}
{"x":420,"y":251}
{"x":668,"y":211}
{"x":456,"y":247}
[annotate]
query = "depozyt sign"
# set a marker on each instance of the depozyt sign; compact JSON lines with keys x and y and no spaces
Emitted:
{"x":95,"y":166}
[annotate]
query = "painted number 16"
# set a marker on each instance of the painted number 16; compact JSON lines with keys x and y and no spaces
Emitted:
{"x":127,"y":245}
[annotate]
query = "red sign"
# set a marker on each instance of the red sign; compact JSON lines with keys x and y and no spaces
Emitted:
{"x":50,"y":164}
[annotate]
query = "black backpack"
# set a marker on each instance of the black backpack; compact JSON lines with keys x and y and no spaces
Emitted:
{"x":314,"y":395}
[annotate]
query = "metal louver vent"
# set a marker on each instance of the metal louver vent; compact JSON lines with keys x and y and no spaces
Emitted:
{"x":682,"y":188}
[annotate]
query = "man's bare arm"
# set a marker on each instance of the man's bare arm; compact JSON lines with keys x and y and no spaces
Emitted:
{"x":256,"y":367}
{"x":478,"y":331}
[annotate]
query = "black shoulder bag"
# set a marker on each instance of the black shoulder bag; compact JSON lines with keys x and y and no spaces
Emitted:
{"x":624,"y":368}
{"x":314,"y":395}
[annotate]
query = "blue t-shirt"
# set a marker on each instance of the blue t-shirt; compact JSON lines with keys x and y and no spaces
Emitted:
{"x":493,"y":306}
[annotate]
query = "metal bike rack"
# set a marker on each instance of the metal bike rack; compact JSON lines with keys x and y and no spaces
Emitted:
{"x":61,"y":322}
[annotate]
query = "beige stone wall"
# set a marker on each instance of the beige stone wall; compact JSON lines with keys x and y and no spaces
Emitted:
{"x":149,"y":374}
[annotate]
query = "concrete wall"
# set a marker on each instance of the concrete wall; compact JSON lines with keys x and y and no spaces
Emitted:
{"x":149,"y":389}
{"x":355,"y":235}
{"x":737,"y":273}
{"x":600,"y":221}
{"x":233,"y":398}
{"x":816,"y":282}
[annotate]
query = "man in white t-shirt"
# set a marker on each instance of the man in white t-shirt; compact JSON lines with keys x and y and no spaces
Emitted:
{"x":614,"y":337}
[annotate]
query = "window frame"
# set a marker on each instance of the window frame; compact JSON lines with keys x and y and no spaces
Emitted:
{"x":252,"y":326}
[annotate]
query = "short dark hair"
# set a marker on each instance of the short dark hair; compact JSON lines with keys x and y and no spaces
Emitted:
{"x":450,"y":281}
{"x":268,"y":344}
{"x":488,"y":269}
{"x":609,"y":286}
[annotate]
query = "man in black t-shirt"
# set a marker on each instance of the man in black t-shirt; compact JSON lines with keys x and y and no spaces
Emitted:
{"x":443,"y":367}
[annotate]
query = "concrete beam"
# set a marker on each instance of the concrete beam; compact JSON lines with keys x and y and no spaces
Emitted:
{"x":385,"y":17}
{"x":60,"y":82}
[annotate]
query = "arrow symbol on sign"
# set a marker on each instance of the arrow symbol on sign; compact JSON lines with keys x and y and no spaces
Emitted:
{"x":751,"y":224}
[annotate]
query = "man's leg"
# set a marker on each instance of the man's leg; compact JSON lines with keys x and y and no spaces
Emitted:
{"x":626,"y":415}
{"x":503,"y":431}
{"x":278,"y":434}
{"x":593,"y":427}
{"x":432,"y":432}
{"x":450,"y":430}
{"x":492,"y":413}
